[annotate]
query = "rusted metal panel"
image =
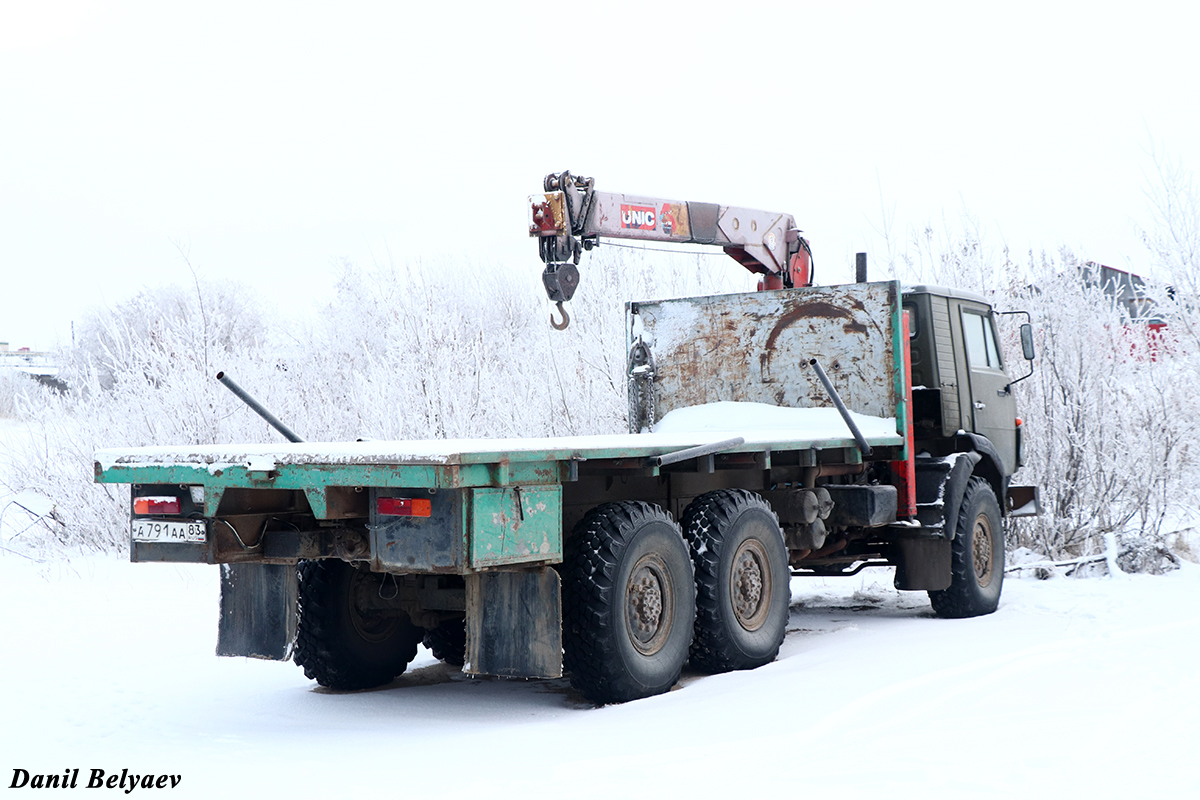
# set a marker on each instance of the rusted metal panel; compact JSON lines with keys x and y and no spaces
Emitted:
{"x":419,"y":544}
{"x":514,"y":624}
{"x":345,"y":502}
{"x":517,"y":525}
{"x":756,"y":347}
{"x":469,"y":529}
{"x":1023,"y":501}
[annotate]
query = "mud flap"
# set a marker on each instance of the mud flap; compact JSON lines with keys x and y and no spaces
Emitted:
{"x":514,"y":624}
{"x":923,"y":565}
{"x":258,"y":610}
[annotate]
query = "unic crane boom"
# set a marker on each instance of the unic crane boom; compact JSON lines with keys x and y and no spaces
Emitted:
{"x":571,"y":216}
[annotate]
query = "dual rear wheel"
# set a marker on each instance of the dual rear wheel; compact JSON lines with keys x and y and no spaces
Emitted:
{"x":344,"y":640}
{"x":742,"y":580}
{"x":641,"y":596}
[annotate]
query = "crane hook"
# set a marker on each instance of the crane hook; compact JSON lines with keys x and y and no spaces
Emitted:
{"x":566,"y":318}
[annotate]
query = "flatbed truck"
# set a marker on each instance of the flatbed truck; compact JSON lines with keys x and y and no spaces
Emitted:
{"x":798,"y":430}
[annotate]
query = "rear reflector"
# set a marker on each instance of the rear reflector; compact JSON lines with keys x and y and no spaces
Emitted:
{"x":156,"y":505}
{"x":404,"y":506}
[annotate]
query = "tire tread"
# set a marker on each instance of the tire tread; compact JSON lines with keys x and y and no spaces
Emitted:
{"x":321,"y":646}
{"x":713,"y":650}
{"x":590,"y":572}
{"x":448,"y":642}
{"x":965,"y":598}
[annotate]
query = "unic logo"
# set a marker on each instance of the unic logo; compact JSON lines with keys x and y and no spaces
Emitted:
{"x":638,"y":217}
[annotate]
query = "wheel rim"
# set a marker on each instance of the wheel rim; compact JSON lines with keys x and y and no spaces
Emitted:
{"x":750,"y":585}
{"x":370,"y":627}
{"x":981,"y":550}
{"x":649,"y":607}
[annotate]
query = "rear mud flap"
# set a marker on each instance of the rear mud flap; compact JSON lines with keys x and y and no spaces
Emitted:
{"x":514,"y":624}
{"x":258,"y":611}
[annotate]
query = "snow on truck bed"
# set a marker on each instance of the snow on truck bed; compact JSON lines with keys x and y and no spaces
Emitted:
{"x":759,"y":424}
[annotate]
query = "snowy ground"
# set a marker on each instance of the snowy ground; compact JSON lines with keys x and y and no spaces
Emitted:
{"x":1074,"y":688}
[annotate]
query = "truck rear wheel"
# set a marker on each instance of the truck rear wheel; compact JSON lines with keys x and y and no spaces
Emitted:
{"x":628,"y":603}
{"x":448,"y":642}
{"x":742,"y":580}
{"x":976,"y":557}
{"x":341,"y":641}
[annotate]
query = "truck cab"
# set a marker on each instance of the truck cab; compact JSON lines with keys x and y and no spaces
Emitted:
{"x":962,"y":388}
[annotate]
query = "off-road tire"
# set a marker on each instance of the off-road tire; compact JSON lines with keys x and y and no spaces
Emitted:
{"x":628,"y":603}
{"x":976,"y":557}
{"x":339,"y":646}
{"x":448,"y":642}
{"x":742,"y":580}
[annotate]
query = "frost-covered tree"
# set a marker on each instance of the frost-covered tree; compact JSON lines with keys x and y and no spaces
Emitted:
{"x":1108,"y":416}
{"x":1108,"y":421}
{"x":397,"y":352}
{"x":441,"y":350}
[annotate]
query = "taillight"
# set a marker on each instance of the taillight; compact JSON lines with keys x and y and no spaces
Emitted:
{"x":156,"y":505}
{"x":404,"y":506}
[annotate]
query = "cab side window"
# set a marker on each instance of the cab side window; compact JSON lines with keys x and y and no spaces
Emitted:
{"x":914,"y":324}
{"x":982,"y":352}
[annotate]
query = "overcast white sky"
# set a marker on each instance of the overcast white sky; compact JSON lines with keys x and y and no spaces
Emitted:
{"x":271,"y":139}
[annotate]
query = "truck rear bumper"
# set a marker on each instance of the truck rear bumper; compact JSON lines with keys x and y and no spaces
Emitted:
{"x":458,"y":532}
{"x":170,"y":552}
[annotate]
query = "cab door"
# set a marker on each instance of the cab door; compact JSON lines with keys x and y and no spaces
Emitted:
{"x":992,"y":409}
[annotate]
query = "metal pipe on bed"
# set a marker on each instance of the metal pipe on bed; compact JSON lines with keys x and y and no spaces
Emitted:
{"x":859,"y":439}
{"x":694,"y":452}
{"x":258,"y":408}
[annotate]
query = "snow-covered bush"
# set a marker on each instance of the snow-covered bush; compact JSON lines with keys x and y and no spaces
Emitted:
{"x":420,"y":351}
{"x":1109,"y":411}
{"x":449,"y":351}
{"x":142,"y":374}
{"x":1110,"y":422}
{"x":13,"y":386}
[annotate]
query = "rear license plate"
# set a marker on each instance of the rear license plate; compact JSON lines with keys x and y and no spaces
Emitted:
{"x":153,"y":530}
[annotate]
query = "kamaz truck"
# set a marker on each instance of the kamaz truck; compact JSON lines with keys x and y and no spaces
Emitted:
{"x":795,"y":430}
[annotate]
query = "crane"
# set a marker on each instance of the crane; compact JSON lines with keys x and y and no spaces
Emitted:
{"x":571,"y":216}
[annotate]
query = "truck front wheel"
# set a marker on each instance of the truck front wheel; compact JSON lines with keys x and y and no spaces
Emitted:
{"x":343,"y":640}
{"x":628,"y":603}
{"x":742,"y":580}
{"x":976,"y":557}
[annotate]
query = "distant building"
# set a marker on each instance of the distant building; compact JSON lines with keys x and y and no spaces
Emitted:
{"x":40,"y":366}
{"x":1127,"y":289}
{"x":1146,"y":332}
